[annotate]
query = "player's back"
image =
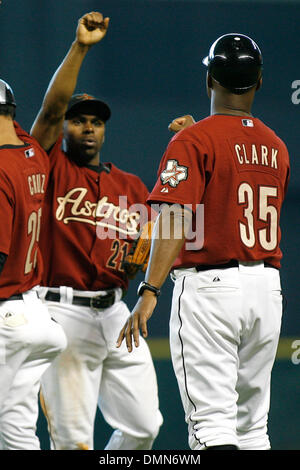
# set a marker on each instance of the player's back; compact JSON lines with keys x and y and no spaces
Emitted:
{"x":24,"y":175}
{"x":247,"y":175}
{"x":238,"y":169}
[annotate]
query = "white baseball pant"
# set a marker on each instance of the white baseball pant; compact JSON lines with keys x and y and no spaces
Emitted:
{"x":224,"y":331}
{"x":29,"y":341}
{"x":93,"y":371}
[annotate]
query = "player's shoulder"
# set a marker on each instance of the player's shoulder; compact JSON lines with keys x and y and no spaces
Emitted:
{"x":267,"y":128}
{"x":30,"y":148}
{"x":26,"y":137}
{"x":271,"y":133}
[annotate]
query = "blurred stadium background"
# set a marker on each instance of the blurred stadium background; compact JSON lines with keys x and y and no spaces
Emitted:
{"x":149,"y":70}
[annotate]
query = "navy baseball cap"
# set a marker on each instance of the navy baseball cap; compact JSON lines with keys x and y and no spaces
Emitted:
{"x":88,"y":104}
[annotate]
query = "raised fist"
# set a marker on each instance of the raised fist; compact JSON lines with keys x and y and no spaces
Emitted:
{"x":91,"y":28}
{"x":181,"y":122}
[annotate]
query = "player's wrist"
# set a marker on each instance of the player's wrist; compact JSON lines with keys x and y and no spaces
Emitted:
{"x":145,"y":288}
{"x":148,"y":293}
{"x":80,"y":46}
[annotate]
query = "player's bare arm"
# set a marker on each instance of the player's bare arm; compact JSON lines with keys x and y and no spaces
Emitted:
{"x":164,"y":251}
{"x":180,"y":123}
{"x":91,"y":29}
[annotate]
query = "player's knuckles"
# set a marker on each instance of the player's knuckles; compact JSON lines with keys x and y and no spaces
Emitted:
{"x":96,"y":17}
{"x":127,"y":329}
{"x":87,"y":17}
{"x":92,"y":22}
{"x":128,"y":334}
{"x":174,"y":125}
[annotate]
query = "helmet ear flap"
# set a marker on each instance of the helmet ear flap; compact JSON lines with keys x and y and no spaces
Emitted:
{"x":6,"y":94}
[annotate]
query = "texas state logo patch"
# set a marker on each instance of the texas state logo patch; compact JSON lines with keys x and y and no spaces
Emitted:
{"x":173,"y":173}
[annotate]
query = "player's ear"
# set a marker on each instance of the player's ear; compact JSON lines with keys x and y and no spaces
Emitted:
{"x":259,"y":84}
{"x":209,"y":84}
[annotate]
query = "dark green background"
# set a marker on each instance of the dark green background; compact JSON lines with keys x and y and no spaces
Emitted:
{"x":149,"y":70}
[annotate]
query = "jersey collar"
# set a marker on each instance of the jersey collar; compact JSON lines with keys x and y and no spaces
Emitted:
{"x":99,"y":168}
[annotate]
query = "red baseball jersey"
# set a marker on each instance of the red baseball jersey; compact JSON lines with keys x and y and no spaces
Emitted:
{"x":90,"y":219}
{"x":24,"y":174}
{"x":233,"y":173}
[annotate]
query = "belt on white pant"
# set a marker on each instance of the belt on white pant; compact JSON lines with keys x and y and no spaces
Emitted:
{"x":101,"y":300}
{"x":231,"y":264}
{"x":20,"y":296}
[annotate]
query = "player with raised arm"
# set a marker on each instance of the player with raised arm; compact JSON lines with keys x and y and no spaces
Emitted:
{"x":29,"y":338}
{"x":93,"y":211}
{"x":227,"y":303}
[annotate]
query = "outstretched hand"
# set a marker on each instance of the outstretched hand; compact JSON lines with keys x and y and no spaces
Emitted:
{"x":137,"y":320}
{"x":91,"y":28}
{"x":181,"y":122}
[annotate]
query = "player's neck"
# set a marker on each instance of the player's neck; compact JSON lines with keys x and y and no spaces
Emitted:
{"x":95,"y":161}
{"x":225,"y":103}
{"x":230,"y":111}
{"x":8,"y":134}
{"x":236,"y":110}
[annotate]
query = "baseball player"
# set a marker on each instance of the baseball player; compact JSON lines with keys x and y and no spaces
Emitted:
{"x":29,"y":338}
{"x":227,"y":303}
{"x":91,"y":216}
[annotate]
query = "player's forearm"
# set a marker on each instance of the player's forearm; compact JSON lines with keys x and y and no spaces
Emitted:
{"x":64,"y":80}
{"x":167,"y":240}
{"x":162,"y":257}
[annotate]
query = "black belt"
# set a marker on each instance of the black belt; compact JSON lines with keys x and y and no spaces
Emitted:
{"x":96,"y":302}
{"x":231,"y":264}
{"x":13,"y":297}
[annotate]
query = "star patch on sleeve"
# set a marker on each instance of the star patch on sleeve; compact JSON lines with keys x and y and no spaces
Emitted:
{"x":173,"y":173}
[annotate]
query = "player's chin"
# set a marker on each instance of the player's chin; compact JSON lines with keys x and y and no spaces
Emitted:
{"x":84,"y":157}
{"x":89,"y":152}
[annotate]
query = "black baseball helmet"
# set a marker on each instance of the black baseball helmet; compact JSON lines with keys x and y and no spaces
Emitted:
{"x":235,"y":62}
{"x":6,"y":94}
